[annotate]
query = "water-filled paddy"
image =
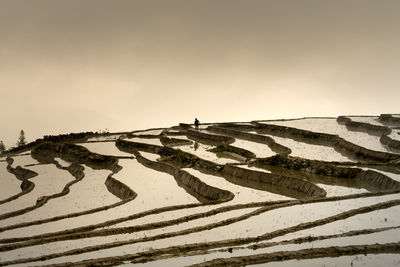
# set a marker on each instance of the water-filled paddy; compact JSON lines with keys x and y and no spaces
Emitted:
{"x":166,"y":213}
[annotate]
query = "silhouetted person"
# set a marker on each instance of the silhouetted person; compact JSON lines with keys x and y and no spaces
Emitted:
{"x":196,"y":146}
{"x":196,"y":123}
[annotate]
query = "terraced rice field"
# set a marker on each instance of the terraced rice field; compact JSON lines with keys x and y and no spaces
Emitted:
{"x":304,"y":192}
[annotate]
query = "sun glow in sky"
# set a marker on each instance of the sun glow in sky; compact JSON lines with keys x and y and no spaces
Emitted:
{"x":68,"y":66}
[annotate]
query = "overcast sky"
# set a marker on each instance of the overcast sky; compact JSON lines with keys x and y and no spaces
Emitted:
{"x":78,"y":65}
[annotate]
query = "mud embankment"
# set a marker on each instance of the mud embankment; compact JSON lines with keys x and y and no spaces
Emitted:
{"x":87,"y":231}
{"x":358,"y":152}
{"x":21,"y":242}
{"x":241,"y":152}
{"x":388,"y":119}
{"x":61,"y":217}
{"x":391,"y":143}
{"x":174,"y":133}
{"x":131,"y":147}
{"x":339,"y":144}
{"x":209,"y":139}
{"x":311,"y":253}
{"x":23,"y":175}
{"x":382,"y":131}
{"x":364,"y":127}
{"x":183,"y":159}
{"x":201,"y":248}
{"x":296,"y":134}
{"x":46,"y":152}
{"x":284,"y":185}
{"x":262,"y":139}
{"x":172,"y":159}
{"x":234,"y":126}
{"x":171,"y":156}
{"x":71,"y":138}
{"x":205,"y":246}
{"x":75,"y":169}
{"x":26,"y":187}
{"x":145,"y":136}
{"x":91,"y":227}
{"x":119,"y":189}
{"x":19,"y":172}
{"x":168,"y":141}
{"x":193,"y":185}
{"x":368,"y":179}
{"x":46,"y":156}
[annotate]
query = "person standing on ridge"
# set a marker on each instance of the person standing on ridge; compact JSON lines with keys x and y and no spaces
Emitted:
{"x":196,"y":123}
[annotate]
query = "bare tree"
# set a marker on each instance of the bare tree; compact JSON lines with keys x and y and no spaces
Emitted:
{"x":21,"y":139}
{"x":2,"y":147}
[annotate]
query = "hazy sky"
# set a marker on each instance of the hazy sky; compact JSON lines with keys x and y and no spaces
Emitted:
{"x":78,"y":65}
